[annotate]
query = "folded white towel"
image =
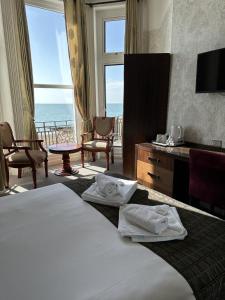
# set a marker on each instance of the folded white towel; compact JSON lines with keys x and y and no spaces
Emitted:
{"x":161,"y":209}
{"x":146,"y":218}
{"x":106,"y":186}
{"x":139,"y":234}
{"x":126,"y":190}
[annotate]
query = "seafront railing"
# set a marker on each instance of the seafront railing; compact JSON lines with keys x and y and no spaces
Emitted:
{"x":59,"y":132}
{"x":56,"y":132}
{"x":118,"y":128}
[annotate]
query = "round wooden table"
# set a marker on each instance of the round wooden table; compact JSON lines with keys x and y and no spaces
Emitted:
{"x":65,"y":150}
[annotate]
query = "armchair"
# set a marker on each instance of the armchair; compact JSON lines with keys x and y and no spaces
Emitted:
{"x":19,"y":157}
{"x":102,"y":137}
{"x":207,"y":178}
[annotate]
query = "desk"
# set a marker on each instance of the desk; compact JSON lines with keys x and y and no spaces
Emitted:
{"x":166,"y":169}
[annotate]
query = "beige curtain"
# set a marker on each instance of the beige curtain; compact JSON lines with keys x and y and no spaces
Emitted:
{"x":2,"y":168}
{"x":26,"y":78}
{"x":133,"y":21}
{"x":77,"y":43}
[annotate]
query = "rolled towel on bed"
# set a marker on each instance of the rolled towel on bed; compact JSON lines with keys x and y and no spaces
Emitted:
{"x":161,"y":209}
{"x":146,"y":219}
{"x":126,"y":189}
{"x":174,"y":231}
{"x":106,"y":186}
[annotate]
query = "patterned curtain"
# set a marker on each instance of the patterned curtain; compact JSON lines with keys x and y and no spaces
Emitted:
{"x":133,"y":20}
{"x":26,"y":78}
{"x":2,"y":168}
{"x":77,"y":43}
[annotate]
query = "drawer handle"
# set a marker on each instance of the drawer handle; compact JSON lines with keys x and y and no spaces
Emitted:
{"x":157,"y":177}
{"x":154,"y":160}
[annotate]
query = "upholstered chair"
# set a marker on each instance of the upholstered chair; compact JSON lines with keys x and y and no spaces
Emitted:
{"x":19,"y":157}
{"x":207,"y":178}
{"x":101,"y":139}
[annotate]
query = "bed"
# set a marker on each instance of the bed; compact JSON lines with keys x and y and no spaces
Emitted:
{"x":53,"y":245}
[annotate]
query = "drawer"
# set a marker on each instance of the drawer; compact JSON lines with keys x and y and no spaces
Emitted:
{"x":155,"y":159}
{"x":155,"y":177}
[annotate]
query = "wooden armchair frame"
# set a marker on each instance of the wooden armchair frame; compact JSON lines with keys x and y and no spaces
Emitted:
{"x":30,"y":163}
{"x":108,"y":138}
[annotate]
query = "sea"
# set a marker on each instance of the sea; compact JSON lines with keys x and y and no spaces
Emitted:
{"x":62,"y":112}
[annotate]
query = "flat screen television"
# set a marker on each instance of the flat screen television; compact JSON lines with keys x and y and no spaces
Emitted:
{"x":211,"y":72}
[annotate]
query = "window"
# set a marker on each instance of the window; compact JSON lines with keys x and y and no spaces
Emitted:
{"x":114,"y":90}
{"x":114,"y":36}
{"x":110,"y":36}
{"x":53,"y":88}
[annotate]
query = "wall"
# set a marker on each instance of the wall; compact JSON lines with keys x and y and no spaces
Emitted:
{"x":198,"y":26}
{"x":11,"y":97}
{"x":6,"y":110}
{"x":157,"y":25}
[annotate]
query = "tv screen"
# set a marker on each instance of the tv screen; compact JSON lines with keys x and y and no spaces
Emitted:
{"x":211,"y":72}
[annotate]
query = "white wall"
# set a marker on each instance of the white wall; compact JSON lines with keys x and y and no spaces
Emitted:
{"x":157,"y":25}
{"x":198,"y":26}
{"x":6,"y":110}
{"x":186,"y":28}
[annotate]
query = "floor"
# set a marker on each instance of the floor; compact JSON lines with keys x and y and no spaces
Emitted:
{"x":91,"y":168}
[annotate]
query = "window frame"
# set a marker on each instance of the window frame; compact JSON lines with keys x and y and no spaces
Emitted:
{"x":104,"y":32}
{"x":102,"y":59}
{"x":47,"y":4}
{"x":54,"y":6}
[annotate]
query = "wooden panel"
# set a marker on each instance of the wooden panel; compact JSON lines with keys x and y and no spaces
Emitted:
{"x":155,"y":158}
{"x":155,"y":177}
{"x":146,"y":82}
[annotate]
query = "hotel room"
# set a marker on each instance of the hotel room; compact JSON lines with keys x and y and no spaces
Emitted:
{"x":112,"y":149}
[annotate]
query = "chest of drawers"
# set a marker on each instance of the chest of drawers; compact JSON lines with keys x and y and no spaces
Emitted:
{"x":154,"y":169}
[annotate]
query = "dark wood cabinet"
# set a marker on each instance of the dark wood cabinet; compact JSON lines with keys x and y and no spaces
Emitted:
{"x":154,"y":169}
{"x":146,"y":86}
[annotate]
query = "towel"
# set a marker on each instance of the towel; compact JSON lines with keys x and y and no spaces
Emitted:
{"x":174,"y":231}
{"x":145,"y":218}
{"x":126,"y":191}
{"x":161,"y":209}
{"x":106,"y":186}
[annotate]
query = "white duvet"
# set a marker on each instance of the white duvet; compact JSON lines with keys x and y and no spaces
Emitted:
{"x":55,"y":246}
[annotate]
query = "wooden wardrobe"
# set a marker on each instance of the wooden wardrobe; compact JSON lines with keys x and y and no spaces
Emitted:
{"x":146,"y":86}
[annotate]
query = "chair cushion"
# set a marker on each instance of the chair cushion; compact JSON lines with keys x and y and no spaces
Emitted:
{"x":21,"y":157}
{"x":95,"y":145}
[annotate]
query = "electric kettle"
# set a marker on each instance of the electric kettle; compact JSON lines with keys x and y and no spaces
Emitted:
{"x":176,"y":136}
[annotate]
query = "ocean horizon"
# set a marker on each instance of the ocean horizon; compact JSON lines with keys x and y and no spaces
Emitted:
{"x":62,"y":112}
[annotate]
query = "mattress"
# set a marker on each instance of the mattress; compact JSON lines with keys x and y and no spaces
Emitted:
{"x":53,"y":245}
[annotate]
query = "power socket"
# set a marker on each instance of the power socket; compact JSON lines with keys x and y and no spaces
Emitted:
{"x":217,"y":143}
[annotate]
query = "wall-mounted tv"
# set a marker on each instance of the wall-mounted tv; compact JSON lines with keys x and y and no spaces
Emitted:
{"x":211,"y":72}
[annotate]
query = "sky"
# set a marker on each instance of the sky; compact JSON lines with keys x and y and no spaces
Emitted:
{"x":50,"y":58}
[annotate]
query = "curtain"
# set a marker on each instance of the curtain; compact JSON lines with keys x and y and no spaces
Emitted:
{"x":26,"y":78}
{"x":2,"y":168}
{"x":77,"y":43}
{"x":133,"y":21}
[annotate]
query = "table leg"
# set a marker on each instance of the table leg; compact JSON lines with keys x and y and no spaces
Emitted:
{"x":66,"y":163}
{"x":67,"y":169}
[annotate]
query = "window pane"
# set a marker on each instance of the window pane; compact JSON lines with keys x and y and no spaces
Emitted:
{"x":53,"y":105}
{"x":114,"y":36}
{"x":114,"y":90}
{"x":49,"y":49}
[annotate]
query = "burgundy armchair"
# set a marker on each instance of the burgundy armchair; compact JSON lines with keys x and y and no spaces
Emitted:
{"x":207,"y":177}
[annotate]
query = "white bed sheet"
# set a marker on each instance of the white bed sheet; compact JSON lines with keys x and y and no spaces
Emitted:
{"x":55,"y":246}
